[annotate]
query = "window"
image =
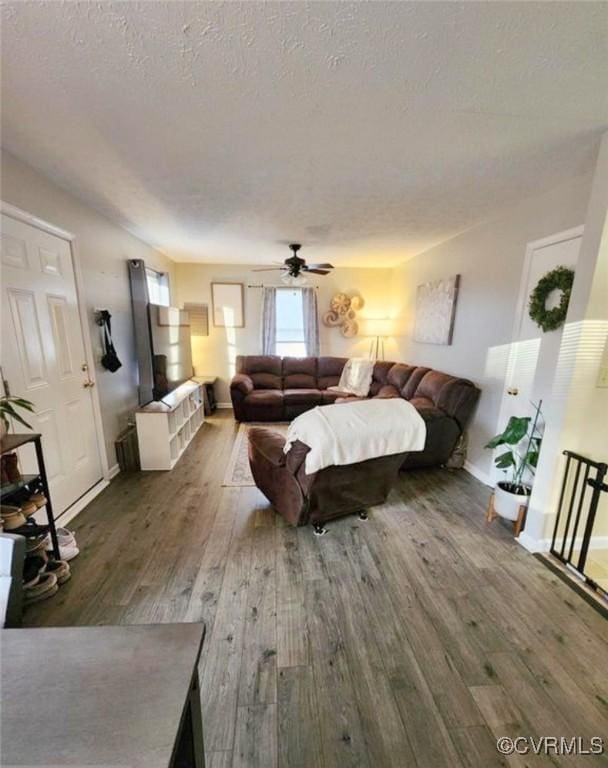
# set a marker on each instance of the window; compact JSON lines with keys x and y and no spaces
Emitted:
{"x":290,"y":323}
{"x":158,"y":287}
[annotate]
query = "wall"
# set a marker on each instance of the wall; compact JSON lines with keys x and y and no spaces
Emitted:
{"x":577,"y":414}
{"x":103,"y":249}
{"x":489,"y":259}
{"x":215,"y":354}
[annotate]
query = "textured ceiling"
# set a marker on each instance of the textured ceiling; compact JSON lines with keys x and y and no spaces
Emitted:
{"x":369,"y":131}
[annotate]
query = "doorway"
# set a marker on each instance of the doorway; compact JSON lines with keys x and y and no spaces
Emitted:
{"x":533,"y":354}
{"x":44,"y":356}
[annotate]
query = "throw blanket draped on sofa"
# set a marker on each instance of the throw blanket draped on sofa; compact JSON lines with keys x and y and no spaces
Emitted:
{"x":351,"y":432}
{"x":356,"y":377}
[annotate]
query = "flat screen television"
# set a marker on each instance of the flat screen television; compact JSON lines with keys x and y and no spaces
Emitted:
{"x":171,"y":348}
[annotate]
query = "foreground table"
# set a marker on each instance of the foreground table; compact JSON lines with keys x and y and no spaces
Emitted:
{"x":110,"y":696}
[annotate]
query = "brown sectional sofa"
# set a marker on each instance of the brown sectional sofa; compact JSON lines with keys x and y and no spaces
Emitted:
{"x":269,"y":388}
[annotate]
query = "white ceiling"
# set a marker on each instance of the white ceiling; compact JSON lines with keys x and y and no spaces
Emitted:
{"x":369,"y":131}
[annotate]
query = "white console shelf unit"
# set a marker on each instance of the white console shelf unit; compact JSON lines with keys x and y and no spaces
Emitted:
{"x":166,"y":427}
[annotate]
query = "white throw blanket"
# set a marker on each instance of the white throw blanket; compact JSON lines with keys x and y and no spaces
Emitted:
{"x":356,"y":377}
{"x":346,"y":433}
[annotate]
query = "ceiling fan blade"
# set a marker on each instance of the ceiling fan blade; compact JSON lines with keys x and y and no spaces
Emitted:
{"x":318,"y":271}
{"x":319,"y":266}
{"x":268,"y":269}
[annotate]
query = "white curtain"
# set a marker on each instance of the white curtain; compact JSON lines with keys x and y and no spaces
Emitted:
{"x":311,"y":321}
{"x":269,"y":321}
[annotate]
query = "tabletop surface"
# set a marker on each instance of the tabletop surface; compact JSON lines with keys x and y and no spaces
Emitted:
{"x":11,"y":442}
{"x":95,"y":695}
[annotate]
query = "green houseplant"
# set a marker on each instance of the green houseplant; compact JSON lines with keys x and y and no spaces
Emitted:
{"x":521,"y":441}
{"x":8,"y":410}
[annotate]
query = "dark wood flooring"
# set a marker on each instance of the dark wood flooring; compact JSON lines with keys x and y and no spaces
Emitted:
{"x":414,"y":639}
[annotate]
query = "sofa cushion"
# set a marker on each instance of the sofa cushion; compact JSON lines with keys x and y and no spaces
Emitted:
{"x":302,"y":397}
{"x":263,"y":370}
{"x":265,"y":381}
{"x":266,"y":404}
{"x":379,"y":376}
{"x":431,"y":385}
{"x":458,"y":399}
{"x":299,"y":372}
{"x":399,"y":375}
{"x":410,"y":386}
{"x":329,"y":370}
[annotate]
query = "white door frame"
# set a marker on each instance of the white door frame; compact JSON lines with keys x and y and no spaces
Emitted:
{"x":45,"y":226}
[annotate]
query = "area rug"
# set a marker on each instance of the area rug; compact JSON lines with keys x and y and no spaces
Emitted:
{"x":237,"y":473}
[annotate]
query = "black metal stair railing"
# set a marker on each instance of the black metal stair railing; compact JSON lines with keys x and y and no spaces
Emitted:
{"x":578,"y":510}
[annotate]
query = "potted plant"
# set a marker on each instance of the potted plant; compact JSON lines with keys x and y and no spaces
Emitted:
{"x":8,"y":410}
{"x":522,"y":440}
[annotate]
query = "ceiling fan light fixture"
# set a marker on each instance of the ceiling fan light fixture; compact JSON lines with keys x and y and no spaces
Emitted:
{"x":294,"y":282}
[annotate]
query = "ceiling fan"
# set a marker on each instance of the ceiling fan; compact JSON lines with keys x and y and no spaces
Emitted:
{"x":296,"y":267}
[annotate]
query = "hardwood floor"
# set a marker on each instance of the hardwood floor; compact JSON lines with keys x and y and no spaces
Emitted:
{"x":414,"y":639}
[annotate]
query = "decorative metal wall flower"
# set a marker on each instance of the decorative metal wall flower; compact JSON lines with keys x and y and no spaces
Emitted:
{"x":342,"y":313}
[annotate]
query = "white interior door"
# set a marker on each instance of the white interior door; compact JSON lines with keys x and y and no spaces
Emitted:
{"x":43,"y":357}
{"x":533,"y":354}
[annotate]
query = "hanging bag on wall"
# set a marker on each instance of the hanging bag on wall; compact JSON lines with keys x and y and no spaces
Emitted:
{"x":110,"y":359}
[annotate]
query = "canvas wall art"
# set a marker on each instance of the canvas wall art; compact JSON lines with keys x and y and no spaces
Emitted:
{"x":435,"y":310}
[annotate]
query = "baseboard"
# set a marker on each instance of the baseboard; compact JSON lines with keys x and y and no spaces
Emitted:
{"x":113,"y":471}
{"x":70,"y":513}
{"x":533,"y":545}
{"x":223,"y":405}
{"x":544,"y":545}
{"x":478,"y":474}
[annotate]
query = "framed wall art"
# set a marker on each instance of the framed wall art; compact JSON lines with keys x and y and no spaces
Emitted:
{"x":227,"y":305}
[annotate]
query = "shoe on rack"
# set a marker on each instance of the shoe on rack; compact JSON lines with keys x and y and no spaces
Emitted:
{"x":33,"y":568}
{"x":28,"y":508}
{"x":68,"y":553}
{"x":12,"y":517}
{"x":68,"y":548}
{"x":35,"y":545}
{"x":61,"y":569}
{"x":29,"y":529}
{"x":10,"y":465}
{"x":66,"y":538}
{"x":39,"y":499}
{"x":6,"y":510}
{"x":45,"y":587}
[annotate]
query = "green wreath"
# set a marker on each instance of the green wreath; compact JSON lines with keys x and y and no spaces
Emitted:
{"x":560,"y":279}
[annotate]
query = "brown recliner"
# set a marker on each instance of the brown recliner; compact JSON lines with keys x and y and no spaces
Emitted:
{"x":323,"y":495}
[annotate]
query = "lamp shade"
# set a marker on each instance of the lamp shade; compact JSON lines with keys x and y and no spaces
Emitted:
{"x":379,"y":326}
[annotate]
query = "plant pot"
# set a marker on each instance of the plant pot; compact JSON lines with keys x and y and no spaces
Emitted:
{"x":509,"y":498}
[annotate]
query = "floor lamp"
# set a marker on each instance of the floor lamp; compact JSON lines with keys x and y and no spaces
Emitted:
{"x":378,"y":329}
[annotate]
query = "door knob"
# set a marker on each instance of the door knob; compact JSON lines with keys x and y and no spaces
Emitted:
{"x":88,"y":384}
